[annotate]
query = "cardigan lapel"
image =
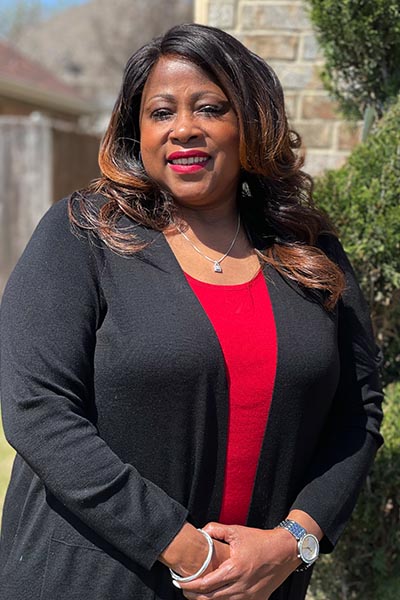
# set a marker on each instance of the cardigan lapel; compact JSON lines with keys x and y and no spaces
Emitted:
{"x":305,"y":382}
{"x":159,"y":254}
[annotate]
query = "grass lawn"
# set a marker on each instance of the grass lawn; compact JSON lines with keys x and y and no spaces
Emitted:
{"x":6,"y":460}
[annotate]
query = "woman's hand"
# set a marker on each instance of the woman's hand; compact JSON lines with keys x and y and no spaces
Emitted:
{"x":259,"y":562}
{"x":188,"y":550}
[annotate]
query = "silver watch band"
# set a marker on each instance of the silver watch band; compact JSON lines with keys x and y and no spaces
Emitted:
{"x":294,"y":528}
{"x":298,"y":532}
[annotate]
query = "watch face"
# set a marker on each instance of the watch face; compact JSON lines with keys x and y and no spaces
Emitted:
{"x":308,"y":548}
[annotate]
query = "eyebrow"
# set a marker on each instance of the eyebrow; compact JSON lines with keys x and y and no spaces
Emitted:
{"x":194,"y":97}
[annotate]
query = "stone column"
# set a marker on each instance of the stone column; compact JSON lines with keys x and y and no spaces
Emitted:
{"x":280,"y":32}
{"x":26,"y":184}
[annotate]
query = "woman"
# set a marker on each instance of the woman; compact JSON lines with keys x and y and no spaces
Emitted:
{"x":188,"y":372}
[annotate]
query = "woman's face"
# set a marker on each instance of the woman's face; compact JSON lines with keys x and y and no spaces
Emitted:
{"x":189,"y":135}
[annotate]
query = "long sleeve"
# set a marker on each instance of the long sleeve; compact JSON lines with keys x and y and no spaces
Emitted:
{"x":352,"y":437}
{"x":51,"y":309}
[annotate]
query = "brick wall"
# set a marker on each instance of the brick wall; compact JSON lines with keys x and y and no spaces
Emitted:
{"x":280,"y":32}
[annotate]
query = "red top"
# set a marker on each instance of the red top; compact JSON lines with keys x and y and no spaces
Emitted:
{"x":244,"y":323}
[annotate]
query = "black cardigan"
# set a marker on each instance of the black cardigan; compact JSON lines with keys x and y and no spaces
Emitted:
{"x":115,"y":397}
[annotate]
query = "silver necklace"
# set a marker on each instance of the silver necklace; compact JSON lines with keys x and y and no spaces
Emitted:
{"x":216,"y":263}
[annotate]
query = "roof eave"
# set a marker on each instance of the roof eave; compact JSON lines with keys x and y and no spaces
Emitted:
{"x":55,"y":100}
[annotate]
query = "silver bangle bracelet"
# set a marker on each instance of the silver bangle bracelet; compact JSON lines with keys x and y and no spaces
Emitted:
{"x":203,"y":567}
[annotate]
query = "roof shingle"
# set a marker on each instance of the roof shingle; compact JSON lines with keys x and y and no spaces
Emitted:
{"x":17,"y":68}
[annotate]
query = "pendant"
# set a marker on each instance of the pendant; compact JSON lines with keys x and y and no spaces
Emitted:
{"x":217,"y":267}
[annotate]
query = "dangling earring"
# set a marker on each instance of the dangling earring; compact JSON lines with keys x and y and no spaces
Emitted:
{"x":245,"y":189}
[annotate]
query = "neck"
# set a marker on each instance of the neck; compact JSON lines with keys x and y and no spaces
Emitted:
{"x":219,"y":234}
{"x":197,"y":218}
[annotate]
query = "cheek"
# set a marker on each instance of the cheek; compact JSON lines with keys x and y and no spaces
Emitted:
{"x":150,"y":149}
{"x":147,"y":141}
{"x":232,"y":150}
{"x":152,"y":164}
{"x":231,"y":141}
{"x":151,"y":136}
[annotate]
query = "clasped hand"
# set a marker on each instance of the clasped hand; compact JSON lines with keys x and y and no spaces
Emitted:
{"x":255,"y":565}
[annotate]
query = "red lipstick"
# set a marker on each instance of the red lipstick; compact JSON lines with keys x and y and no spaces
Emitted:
{"x":188,"y":161}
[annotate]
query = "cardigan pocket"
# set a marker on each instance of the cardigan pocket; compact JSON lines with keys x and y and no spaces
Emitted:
{"x":74,"y":572}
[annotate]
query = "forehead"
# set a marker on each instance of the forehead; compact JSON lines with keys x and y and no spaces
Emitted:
{"x":174,"y":75}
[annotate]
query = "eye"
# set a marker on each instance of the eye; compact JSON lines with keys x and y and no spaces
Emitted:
{"x":212,"y":110}
{"x":161,"y":114}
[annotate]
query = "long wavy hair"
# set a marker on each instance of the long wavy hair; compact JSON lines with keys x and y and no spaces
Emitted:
{"x":276,"y":195}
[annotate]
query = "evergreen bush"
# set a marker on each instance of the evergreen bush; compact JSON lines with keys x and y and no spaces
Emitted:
{"x":366,"y":562}
{"x":361,"y":43}
{"x":363,"y":200}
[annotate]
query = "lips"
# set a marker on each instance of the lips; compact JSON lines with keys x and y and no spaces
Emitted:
{"x":188,"y":162}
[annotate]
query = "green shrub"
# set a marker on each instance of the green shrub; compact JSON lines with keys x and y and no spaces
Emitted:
{"x":363,"y":200}
{"x":366,"y":562}
{"x":361,"y":44}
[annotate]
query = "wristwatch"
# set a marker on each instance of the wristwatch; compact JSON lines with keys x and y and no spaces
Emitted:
{"x":307,"y":543}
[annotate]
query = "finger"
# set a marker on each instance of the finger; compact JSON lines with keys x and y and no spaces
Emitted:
{"x":221,"y":577}
{"x":219,"y":531}
{"x":210,"y":527}
{"x":191,"y":596}
{"x":225,"y":593}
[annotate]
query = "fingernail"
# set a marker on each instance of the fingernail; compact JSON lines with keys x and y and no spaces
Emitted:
{"x":176,"y":584}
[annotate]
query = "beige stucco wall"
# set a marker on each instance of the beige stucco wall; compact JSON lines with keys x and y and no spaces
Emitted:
{"x":280,"y":32}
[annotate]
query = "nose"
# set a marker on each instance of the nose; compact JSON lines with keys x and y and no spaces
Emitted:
{"x":184,"y":128}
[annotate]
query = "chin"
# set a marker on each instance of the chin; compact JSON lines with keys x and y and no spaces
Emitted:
{"x":193,"y":201}
{"x":190,"y":198}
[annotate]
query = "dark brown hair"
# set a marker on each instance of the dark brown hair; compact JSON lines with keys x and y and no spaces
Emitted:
{"x":276,"y":200}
